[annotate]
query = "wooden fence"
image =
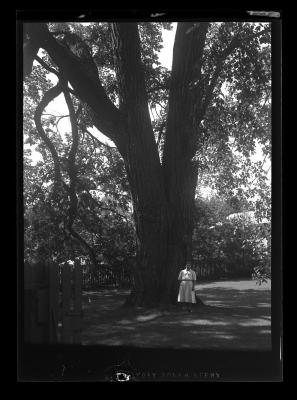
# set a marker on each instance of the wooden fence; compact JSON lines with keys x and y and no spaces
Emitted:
{"x":53,"y":303}
{"x":53,"y":295}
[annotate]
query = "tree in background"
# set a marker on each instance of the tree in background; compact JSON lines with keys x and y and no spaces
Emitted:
{"x":115,"y":78}
{"x":228,"y":241}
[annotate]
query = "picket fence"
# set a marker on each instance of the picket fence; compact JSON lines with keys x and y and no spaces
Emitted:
{"x":53,"y":298}
{"x":53,"y":303}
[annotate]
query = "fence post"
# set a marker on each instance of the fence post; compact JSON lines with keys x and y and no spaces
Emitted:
{"x":36,"y":303}
{"x":77,"y":303}
{"x":28,"y":301}
{"x":71,"y":304}
{"x":77,"y":286}
{"x":41,"y":323}
{"x":66,"y":295}
{"x":53,"y":302}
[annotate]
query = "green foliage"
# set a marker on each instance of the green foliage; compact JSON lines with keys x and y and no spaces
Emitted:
{"x":261,"y":275}
{"x":231,"y":246}
{"x":238,"y":118}
{"x":104,"y":221}
{"x":104,"y":218}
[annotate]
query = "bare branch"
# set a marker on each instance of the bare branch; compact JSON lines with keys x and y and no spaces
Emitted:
{"x":96,"y":139}
{"x":56,"y":116}
{"x":62,"y":116}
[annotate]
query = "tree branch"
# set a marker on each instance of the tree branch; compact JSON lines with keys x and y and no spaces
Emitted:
{"x":71,"y":157}
{"x":211,"y":86}
{"x":182,"y":125}
{"x":140,"y":148}
{"x":56,"y":116}
{"x":107,"y":117}
{"x":94,"y":201}
{"x":132,"y":91}
{"x":52,"y":70}
{"x":186,"y":70}
{"x":157,"y":88}
{"x":50,"y":95}
{"x":236,"y":42}
{"x":46,"y":66}
{"x":72,"y":172}
{"x":126,"y":45}
{"x":96,"y":139}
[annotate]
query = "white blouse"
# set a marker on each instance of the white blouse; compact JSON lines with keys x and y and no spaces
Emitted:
{"x":186,"y":275}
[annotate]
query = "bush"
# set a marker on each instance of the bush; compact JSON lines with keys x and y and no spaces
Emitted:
{"x":261,"y":274}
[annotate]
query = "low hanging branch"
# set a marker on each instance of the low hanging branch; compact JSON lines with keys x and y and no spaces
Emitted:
{"x":71,"y":167}
{"x":89,"y":89}
{"x":50,"y":95}
{"x":47,"y":67}
{"x":97,"y":140}
{"x":72,"y":172}
{"x":52,"y":70}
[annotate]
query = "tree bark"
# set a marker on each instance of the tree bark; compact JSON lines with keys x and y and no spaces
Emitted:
{"x":163,"y":195}
{"x":143,"y":168}
{"x":181,"y":139}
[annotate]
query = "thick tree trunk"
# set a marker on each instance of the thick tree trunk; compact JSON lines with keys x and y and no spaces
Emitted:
{"x":164,"y":239}
{"x":163,"y":217}
{"x":163,"y":194}
{"x":164,"y":231}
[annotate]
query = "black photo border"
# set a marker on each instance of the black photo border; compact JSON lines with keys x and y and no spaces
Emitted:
{"x":94,"y":363}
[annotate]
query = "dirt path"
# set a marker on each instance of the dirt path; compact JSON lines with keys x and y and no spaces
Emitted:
{"x":236,"y":316}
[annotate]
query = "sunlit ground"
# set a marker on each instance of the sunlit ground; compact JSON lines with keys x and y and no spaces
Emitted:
{"x":236,"y":315}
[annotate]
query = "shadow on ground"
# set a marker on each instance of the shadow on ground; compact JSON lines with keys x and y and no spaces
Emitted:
{"x":236,"y":315}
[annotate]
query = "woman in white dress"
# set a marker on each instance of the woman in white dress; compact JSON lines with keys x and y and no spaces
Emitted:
{"x":186,"y":294}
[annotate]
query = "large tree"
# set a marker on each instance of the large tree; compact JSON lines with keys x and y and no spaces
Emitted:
{"x":162,"y":183}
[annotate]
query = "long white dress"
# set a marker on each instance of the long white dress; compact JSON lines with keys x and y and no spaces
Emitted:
{"x":185,"y":293}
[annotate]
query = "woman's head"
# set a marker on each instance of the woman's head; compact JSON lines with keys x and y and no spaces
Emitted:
{"x":188,"y":265}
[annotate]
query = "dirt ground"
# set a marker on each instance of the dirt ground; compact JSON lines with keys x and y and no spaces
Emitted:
{"x":236,"y":315}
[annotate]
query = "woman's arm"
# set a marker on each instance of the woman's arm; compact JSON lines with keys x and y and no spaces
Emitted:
{"x":180,"y":276}
{"x":193,"y":280}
